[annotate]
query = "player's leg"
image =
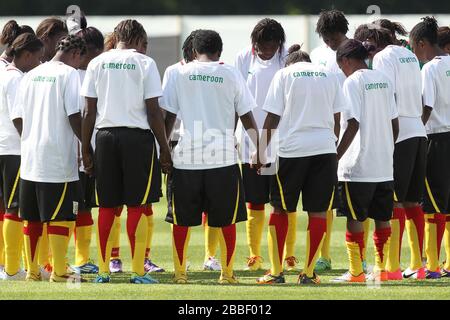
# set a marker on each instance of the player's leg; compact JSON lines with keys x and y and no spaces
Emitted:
{"x":415,"y":218}
{"x":115,"y":263}
{"x":445,"y":272}
{"x":2,"y":213}
{"x":185,"y":208}
{"x":324,"y":261}
{"x":225,"y":205}
{"x":405,"y":154}
{"x":436,"y":199}
{"x":33,"y":228}
{"x":256,"y":189}
{"x":285,"y":193}
{"x":83,"y":227}
{"x":58,"y":205}
{"x":318,"y":194}
{"x":381,"y":211}
{"x":108,"y":171}
{"x":150,"y":266}
{"x":13,"y":224}
{"x":355,"y":200}
{"x":211,"y":243}
{"x":141,"y":187}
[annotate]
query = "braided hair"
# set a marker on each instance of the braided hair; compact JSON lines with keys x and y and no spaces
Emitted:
{"x":188,"y":48}
{"x":72,"y":42}
{"x":427,"y":29}
{"x":295,"y":54}
{"x":267,"y":30}
{"x":130,"y":31}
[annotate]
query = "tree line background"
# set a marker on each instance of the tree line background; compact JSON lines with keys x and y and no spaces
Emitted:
{"x":218,"y":7}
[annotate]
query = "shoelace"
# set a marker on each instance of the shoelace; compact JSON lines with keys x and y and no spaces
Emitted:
{"x":252,"y":260}
{"x":291,"y":261}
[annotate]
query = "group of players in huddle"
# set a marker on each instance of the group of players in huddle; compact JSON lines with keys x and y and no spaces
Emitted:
{"x":360,"y":126}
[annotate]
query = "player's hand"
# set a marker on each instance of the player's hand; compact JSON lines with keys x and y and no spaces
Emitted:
{"x":88,"y":163}
{"x":165,"y":159}
{"x":258,"y":161}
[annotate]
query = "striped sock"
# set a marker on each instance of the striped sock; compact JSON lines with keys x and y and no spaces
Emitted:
{"x":83,"y":237}
{"x":355,"y":247}
{"x":58,"y":236}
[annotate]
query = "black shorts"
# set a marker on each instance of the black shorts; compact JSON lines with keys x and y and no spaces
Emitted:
{"x":127,"y":169}
{"x":9,"y":181}
{"x":218,"y":191}
{"x":44,"y":202}
{"x":87,"y":192}
{"x":362,"y":200}
{"x":315,"y":177}
{"x":437,"y":195}
{"x":410,"y":158}
{"x":256,"y":187}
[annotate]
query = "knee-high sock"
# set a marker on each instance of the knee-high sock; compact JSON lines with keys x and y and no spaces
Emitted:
{"x":291,"y":237}
{"x":317,"y":228}
{"x":2,"y":244}
{"x":381,"y":239}
{"x":115,"y":253}
{"x":212,"y":236}
{"x":105,"y":237}
{"x":180,"y":242}
{"x":325,"y":251}
{"x":58,"y":238}
{"x":83,"y":237}
{"x":45,"y":255}
{"x":434,"y":230}
{"x":366,"y":226}
{"x":13,"y":236}
{"x":255,"y":226}
{"x":227,"y":238}
{"x":278,"y":225}
{"x":32,"y":235}
{"x":137,"y":231}
{"x":447,"y":243}
{"x":415,"y":227}
{"x":395,"y":243}
{"x":149,"y":217}
{"x":355,"y":246}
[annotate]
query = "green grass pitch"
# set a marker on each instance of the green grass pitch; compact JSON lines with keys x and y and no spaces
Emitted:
{"x":203,"y":284}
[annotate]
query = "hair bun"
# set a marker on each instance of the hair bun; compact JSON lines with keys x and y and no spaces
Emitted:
{"x":430,"y":22}
{"x":294,"y":48}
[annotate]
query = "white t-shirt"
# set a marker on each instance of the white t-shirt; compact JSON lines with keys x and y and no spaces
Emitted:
{"x":436,"y":93}
{"x":402,"y":68}
{"x":9,"y":137}
{"x":122,"y":80}
{"x":258,"y":74}
{"x":166,"y":79}
{"x":306,"y":97}
{"x":371,"y":102}
{"x":206,"y":96}
{"x":3,"y":63}
{"x":326,"y":57}
{"x":47,"y":96}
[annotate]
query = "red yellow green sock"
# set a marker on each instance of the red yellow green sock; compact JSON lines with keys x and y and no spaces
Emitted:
{"x":32,"y":235}
{"x":227,"y":237}
{"x":315,"y":235}
{"x":83,"y":237}
{"x":278,"y":226}
{"x":149,"y":217}
{"x":58,"y":236}
{"x":381,"y":239}
{"x":415,"y":227}
{"x":291,"y":237}
{"x":137,"y":235}
{"x":180,"y":242}
{"x":13,"y":237}
{"x":255,"y":227}
{"x":395,"y":243}
{"x":325,"y":250}
{"x":105,"y":237}
{"x":355,"y":246}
